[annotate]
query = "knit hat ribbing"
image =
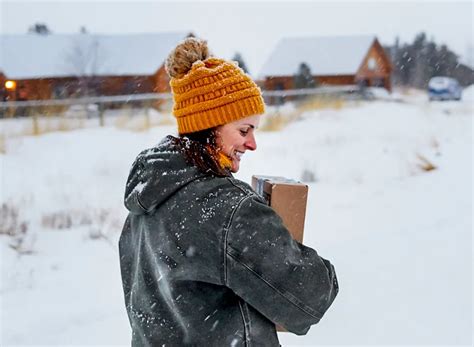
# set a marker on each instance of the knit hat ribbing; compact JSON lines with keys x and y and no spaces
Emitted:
{"x":213,"y":92}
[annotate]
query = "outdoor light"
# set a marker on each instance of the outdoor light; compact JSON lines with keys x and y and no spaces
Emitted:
{"x":10,"y":85}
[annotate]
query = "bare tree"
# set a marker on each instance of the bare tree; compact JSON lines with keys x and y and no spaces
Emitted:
{"x":83,"y":61}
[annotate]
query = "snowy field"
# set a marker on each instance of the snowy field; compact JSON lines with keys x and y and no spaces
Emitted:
{"x":400,"y":236}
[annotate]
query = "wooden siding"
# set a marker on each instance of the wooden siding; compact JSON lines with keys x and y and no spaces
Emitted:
{"x":339,"y":80}
{"x":162,"y":81}
{"x":287,"y":82}
{"x":60,"y":88}
{"x":279,"y":83}
{"x":3,"y":90}
{"x":124,"y":85}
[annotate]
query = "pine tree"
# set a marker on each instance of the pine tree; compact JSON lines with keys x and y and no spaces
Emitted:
{"x":39,"y":28}
{"x":418,"y":71}
{"x":303,"y":77}
{"x":238,"y":58}
{"x":416,"y":63}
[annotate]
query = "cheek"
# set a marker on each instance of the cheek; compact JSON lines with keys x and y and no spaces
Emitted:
{"x":238,"y":143}
{"x":231,"y":142}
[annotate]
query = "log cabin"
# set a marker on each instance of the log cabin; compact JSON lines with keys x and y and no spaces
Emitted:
{"x":333,"y":61}
{"x":53,"y":66}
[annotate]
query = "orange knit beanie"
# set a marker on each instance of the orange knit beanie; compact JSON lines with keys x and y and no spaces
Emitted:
{"x":208,"y":91}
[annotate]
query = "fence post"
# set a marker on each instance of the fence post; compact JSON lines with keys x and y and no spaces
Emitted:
{"x":147,"y":118}
{"x":101,"y":115}
{"x":36,"y":130}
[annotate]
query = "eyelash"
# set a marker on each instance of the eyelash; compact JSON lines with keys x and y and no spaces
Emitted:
{"x":244,"y":132}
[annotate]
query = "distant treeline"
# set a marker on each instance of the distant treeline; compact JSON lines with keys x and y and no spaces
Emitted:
{"x":415,"y":63}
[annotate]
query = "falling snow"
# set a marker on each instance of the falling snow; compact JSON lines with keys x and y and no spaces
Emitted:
{"x":396,"y":238}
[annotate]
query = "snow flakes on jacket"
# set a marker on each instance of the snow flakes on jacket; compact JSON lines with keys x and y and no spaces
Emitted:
{"x":206,"y":262}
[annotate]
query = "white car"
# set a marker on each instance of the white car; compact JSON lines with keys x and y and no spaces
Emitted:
{"x":444,"y":88}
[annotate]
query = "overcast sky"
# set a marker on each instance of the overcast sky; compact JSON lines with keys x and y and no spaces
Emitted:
{"x":252,"y":28}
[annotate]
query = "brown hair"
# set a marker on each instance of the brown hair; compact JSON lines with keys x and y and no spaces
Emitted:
{"x":200,"y":149}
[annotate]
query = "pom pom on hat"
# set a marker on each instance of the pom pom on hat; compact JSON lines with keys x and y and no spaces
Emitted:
{"x":208,"y":91}
{"x":182,"y":58}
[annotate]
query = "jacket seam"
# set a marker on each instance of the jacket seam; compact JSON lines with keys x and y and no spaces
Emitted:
{"x":248,"y":193}
{"x":246,"y":325}
{"x":236,"y":185}
{"x":288,"y":296}
{"x":246,"y":309}
{"x":226,"y":232}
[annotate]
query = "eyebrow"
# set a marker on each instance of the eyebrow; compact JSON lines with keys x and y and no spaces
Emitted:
{"x":250,"y":125}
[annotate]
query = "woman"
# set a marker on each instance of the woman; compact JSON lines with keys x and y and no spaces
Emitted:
{"x":204,"y":260}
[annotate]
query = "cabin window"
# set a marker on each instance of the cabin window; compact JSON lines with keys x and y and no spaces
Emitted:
{"x":372,"y":64}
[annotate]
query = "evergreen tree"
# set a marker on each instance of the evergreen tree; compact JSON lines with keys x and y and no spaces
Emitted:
{"x":238,"y":58}
{"x":418,"y":67}
{"x":447,"y":61}
{"x":416,"y":63}
{"x":303,"y":77}
{"x":39,"y":28}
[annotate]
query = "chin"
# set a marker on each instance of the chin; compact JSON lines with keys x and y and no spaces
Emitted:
{"x":234,"y":168}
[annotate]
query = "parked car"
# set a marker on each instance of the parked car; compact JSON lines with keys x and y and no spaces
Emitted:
{"x":444,"y":88}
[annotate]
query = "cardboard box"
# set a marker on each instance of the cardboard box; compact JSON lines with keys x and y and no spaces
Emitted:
{"x":287,"y":197}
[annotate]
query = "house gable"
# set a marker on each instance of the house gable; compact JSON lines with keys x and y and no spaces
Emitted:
{"x":376,"y":62}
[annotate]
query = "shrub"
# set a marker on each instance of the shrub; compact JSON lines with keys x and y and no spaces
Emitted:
{"x":11,"y":224}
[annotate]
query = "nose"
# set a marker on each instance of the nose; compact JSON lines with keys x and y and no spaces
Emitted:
{"x":251,"y":143}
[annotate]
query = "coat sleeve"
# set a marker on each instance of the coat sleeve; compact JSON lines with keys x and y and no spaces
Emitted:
{"x":284,"y":280}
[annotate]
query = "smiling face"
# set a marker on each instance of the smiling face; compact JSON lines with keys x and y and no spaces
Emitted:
{"x":233,"y":139}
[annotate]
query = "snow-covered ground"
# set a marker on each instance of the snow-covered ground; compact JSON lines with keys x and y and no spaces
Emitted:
{"x":399,"y":236}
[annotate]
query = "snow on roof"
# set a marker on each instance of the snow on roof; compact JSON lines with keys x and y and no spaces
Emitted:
{"x":328,"y":55}
{"x":60,"y":55}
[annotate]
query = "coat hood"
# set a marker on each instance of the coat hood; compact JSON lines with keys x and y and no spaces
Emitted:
{"x":156,"y":174}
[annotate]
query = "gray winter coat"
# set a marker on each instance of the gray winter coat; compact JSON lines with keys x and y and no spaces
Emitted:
{"x":205,"y":262}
